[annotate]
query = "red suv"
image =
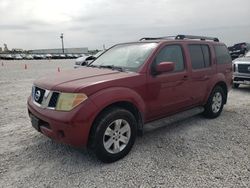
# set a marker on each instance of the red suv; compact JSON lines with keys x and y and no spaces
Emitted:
{"x":107,"y":103}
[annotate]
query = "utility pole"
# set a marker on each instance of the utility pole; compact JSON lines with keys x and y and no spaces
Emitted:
{"x":62,"y":42}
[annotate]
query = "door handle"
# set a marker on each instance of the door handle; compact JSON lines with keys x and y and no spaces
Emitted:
{"x":185,"y":77}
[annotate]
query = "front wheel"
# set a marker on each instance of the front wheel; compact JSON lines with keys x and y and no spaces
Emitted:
{"x":114,"y":135}
{"x":215,"y":103}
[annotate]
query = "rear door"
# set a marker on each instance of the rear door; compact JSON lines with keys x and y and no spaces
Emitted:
{"x":202,"y":70}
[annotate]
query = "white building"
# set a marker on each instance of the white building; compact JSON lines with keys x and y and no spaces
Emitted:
{"x":59,"y":51}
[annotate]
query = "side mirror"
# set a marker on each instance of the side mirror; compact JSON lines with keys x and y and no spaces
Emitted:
{"x":165,"y":67}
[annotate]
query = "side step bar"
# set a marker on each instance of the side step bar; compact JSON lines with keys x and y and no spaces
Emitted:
{"x":174,"y":118}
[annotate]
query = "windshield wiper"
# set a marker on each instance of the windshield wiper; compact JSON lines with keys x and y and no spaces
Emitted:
{"x":112,"y":67}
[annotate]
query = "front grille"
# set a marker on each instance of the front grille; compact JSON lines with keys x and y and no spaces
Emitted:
{"x":38,"y":94}
{"x":244,"y":68}
{"x":53,"y":100}
{"x":44,"y":98}
{"x":241,"y":79}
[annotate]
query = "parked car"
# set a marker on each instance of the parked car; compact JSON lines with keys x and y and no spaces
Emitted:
{"x":39,"y":56}
{"x":48,"y":56}
{"x":239,"y":49}
{"x":81,"y":61}
{"x":8,"y":57}
{"x":28,"y":57}
{"x":241,"y":71}
{"x":85,"y":60}
{"x":17,"y":57}
{"x":69,"y":56}
{"x":106,"y":104}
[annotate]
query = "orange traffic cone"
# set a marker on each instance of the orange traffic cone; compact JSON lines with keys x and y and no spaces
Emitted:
{"x":58,"y":69}
{"x":25,"y":66}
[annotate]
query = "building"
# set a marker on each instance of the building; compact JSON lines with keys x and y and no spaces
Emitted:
{"x":59,"y":51}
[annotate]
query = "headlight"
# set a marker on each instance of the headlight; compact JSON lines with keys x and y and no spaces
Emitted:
{"x":68,"y":101}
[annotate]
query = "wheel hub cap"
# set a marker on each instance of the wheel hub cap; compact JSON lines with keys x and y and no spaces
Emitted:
{"x":116,"y":136}
{"x":217,"y":102}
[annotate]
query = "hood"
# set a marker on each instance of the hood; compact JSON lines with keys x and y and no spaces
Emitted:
{"x":242,"y":60}
{"x":71,"y":80}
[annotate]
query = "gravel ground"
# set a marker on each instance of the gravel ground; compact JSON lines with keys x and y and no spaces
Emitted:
{"x":195,"y":152}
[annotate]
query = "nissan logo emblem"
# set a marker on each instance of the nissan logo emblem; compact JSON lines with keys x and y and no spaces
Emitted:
{"x":37,"y":95}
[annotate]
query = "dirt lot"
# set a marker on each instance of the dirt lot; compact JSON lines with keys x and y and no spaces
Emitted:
{"x":196,"y":152}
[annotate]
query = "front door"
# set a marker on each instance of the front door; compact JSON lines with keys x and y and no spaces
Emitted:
{"x":168,"y":92}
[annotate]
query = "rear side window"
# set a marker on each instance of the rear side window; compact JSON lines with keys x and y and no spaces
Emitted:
{"x":200,"y":56}
{"x":222,"y":54}
{"x":171,"y":53}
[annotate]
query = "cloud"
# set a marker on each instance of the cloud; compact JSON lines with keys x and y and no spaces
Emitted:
{"x":38,"y":23}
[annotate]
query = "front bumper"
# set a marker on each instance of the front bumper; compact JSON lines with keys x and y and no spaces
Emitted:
{"x":241,"y":78}
{"x":71,"y":127}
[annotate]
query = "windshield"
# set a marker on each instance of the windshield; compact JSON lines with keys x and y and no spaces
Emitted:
{"x":126,"y":56}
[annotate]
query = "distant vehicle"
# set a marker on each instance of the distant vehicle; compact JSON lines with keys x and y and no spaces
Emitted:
{"x":69,"y":56}
{"x":18,"y":57}
{"x":1,"y":56}
{"x":83,"y":61}
{"x":28,"y":57}
{"x":8,"y":57}
{"x":48,"y":56}
{"x":241,"y":71}
{"x":62,"y":56}
{"x":76,"y":56}
{"x":39,"y":56}
{"x":239,"y":49}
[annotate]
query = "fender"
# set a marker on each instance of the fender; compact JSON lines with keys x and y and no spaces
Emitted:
{"x":106,"y":97}
{"x":220,"y":77}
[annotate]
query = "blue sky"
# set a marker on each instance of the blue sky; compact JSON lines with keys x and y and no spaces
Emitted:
{"x":33,"y":24}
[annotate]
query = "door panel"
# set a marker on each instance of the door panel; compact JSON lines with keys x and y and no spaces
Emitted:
{"x":168,"y":92}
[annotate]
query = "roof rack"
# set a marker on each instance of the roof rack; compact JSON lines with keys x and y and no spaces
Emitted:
{"x":181,"y":37}
{"x":156,"y":38}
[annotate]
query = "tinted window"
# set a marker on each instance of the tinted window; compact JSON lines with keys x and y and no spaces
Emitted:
{"x":200,"y":56}
{"x":171,"y":53}
{"x":222,"y":54}
{"x":206,"y":55}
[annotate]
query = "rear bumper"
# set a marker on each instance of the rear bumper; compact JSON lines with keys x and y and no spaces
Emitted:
{"x":71,"y":128}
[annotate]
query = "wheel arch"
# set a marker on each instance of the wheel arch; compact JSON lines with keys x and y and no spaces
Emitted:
{"x":223,"y":85}
{"x":119,"y":104}
{"x":118,"y":97}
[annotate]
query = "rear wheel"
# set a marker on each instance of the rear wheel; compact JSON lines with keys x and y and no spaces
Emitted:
{"x":215,"y":103}
{"x":114,"y":135}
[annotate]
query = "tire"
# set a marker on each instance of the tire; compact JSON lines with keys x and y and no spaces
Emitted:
{"x":235,"y":85}
{"x":215,"y":103}
{"x":114,"y":134}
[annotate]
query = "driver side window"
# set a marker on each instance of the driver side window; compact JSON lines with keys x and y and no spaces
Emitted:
{"x":171,"y":53}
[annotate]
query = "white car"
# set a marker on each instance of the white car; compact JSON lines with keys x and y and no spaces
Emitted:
{"x":80,"y":61}
{"x":85,"y":60}
{"x":241,"y":70}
